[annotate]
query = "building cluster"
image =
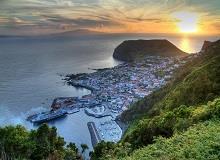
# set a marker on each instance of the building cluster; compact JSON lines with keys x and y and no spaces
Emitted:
{"x":113,"y":90}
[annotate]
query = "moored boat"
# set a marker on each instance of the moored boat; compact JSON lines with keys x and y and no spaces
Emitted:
{"x":46,"y":116}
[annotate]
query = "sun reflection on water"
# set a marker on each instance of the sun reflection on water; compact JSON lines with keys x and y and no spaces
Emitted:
{"x":185,"y":45}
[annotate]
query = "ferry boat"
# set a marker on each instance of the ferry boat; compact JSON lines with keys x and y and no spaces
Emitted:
{"x":46,"y":116}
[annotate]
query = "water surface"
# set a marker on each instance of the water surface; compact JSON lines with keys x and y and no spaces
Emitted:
{"x":30,"y":69}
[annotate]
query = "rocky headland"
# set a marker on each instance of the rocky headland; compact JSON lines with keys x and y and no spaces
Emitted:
{"x":131,"y":50}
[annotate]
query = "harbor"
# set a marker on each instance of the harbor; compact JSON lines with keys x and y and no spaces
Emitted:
{"x":113,"y":90}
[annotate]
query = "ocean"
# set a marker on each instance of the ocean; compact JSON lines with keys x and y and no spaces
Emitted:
{"x":31,"y":69}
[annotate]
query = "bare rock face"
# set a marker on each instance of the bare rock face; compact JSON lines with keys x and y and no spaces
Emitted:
{"x":210,"y":48}
{"x":136,"y":49}
{"x":206,"y":44}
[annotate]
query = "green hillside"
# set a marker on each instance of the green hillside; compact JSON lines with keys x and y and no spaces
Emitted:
{"x":201,"y":141}
{"x":189,"y":100}
{"x":178,"y":125}
{"x":196,"y":82}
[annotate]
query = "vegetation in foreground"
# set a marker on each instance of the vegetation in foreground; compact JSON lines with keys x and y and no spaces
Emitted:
{"x":190,"y":129}
{"x":201,"y":141}
{"x":16,"y":143}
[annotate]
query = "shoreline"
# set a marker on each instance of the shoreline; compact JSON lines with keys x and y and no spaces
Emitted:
{"x":122,"y":125}
{"x":113,"y":90}
{"x":81,"y":86}
{"x":102,"y":82}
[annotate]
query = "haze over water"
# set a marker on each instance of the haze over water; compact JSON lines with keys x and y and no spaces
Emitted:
{"x":30,"y":68}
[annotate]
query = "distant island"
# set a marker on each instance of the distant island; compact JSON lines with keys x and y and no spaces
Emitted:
{"x":131,"y":50}
{"x":66,"y":34}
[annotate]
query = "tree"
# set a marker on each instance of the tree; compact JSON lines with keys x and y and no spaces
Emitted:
{"x":14,"y":142}
{"x":44,"y":143}
{"x":42,"y":149}
{"x":72,"y":146}
{"x":84,"y":147}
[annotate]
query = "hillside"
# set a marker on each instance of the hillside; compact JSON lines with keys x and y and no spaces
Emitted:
{"x":195,"y":135}
{"x":134,"y":49}
{"x":176,"y":112}
{"x":196,"y":82}
{"x":199,"y":142}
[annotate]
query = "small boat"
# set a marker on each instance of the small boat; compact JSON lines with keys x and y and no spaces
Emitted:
{"x":46,"y":116}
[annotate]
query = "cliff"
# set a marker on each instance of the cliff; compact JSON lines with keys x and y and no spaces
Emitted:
{"x":206,"y":44}
{"x":134,"y":49}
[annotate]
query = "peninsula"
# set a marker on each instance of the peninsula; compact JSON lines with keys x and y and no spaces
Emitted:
{"x":131,"y":50}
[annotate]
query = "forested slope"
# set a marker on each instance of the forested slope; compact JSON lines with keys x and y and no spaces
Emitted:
{"x":189,"y":102}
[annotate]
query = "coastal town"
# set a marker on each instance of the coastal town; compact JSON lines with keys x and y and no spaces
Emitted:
{"x":113,"y":90}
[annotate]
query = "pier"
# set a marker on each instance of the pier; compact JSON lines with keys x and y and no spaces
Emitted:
{"x":95,"y":138}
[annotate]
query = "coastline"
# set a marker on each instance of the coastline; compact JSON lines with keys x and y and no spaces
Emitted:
{"x":106,"y":87}
{"x":81,"y":86}
{"x":122,"y":125}
{"x":113,"y":90}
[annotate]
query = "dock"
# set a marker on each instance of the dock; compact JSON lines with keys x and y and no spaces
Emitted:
{"x":95,"y":138}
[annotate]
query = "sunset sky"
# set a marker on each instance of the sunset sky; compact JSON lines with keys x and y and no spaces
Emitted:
{"x":142,"y":16}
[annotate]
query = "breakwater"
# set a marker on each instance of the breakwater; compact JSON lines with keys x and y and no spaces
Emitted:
{"x":95,"y":138}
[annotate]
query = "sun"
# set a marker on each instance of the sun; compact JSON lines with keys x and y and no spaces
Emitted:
{"x":187,"y":22}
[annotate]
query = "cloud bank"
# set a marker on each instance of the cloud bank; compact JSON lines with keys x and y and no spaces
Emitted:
{"x":48,"y":16}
